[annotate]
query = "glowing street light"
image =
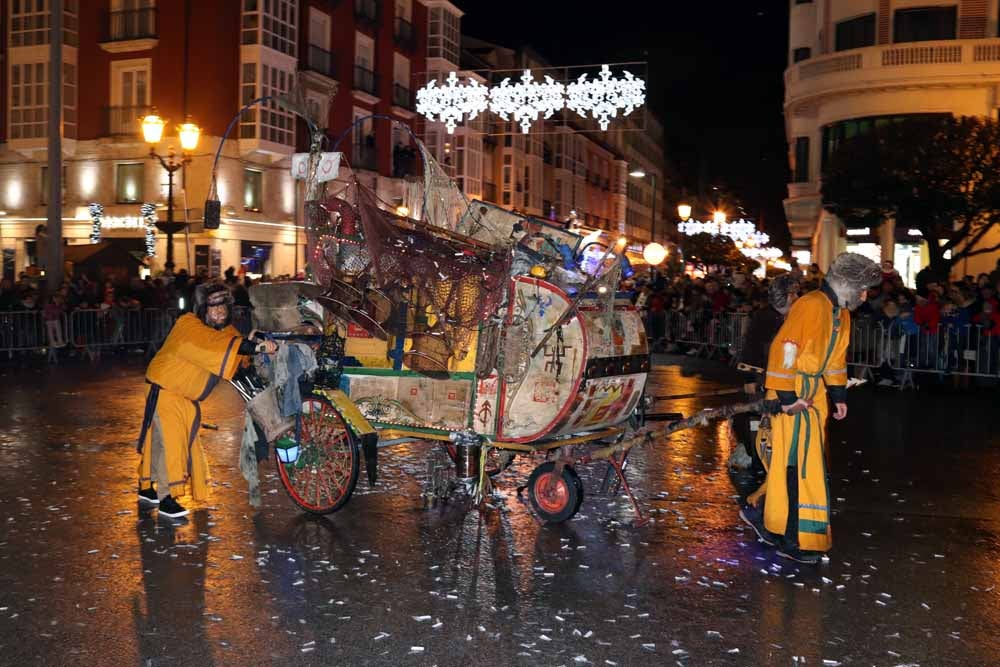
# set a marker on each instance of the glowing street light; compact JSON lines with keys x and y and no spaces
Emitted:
{"x":654,"y":254}
{"x":152,"y":129}
{"x":719,"y":217}
{"x":684,"y":211}
{"x":189,"y":134}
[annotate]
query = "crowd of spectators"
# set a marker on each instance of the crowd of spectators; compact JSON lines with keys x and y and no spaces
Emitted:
{"x":938,"y":325}
{"x":104,"y":309}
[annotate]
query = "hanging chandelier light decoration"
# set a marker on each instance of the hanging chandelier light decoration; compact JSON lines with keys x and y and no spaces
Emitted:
{"x":528,"y":99}
{"x":605,"y":96}
{"x":452,"y":102}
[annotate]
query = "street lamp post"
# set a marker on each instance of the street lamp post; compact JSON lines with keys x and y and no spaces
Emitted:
{"x":189,"y":134}
{"x":640,"y":173}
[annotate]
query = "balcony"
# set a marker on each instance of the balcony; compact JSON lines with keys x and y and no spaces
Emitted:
{"x":366,"y":12}
{"x":130,"y":30}
{"x":124,"y":121}
{"x":319,"y":60}
{"x":402,"y":97}
{"x":364,"y":157}
{"x":403,"y":33}
{"x":365,"y":80}
{"x":915,"y":64}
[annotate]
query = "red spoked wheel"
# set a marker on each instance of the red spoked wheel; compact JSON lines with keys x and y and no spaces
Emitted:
{"x":323,"y":477}
{"x":556,"y":498}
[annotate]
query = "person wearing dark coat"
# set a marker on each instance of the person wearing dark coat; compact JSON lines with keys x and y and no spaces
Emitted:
{"x":763,"y":327}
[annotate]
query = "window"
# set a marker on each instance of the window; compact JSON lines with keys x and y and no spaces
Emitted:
{"x":69,"y":100}
{"x":275,"y":124}
{"x":130,"y":95}
{"x":801,"y":173}
{"x":364,"y":51}
{"x":856,"y":33}
{"x":248,"y":92}
{"x":253,"y":188}
{"x":132,"y":19}
{"x":924,"y":24}
{"x":128,"y":182}
{"x":834,"y":133}
{"x":319,"y":29}
{"x":29,"y":22}
{"x":28,"y":101}
{"x":271,"y":23}
{"x":443,"y":35}
{"x":404,"y":9}
{"x":804,"y":53}
{"x":44,"y":198}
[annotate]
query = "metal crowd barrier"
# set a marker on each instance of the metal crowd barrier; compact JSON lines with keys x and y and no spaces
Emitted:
{"x":899,"y":349}
{"x":91,"y":331}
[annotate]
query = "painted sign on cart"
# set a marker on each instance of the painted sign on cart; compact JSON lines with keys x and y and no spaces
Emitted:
{"x":412,"y":401}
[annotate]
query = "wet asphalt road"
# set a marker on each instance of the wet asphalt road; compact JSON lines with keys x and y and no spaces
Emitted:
{"x":87,"y":579}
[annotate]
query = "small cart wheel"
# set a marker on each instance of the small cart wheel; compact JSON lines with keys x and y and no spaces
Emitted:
{"x":556,"y":498}
{"x":325,"y":473}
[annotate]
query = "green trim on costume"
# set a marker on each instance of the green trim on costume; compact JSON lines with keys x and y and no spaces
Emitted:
{"x":793,"y":451}
{"x":813,"y":527}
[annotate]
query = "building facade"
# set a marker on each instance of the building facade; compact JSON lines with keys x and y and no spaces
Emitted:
{"x":201,"y":60}
{"x":854,"y":64}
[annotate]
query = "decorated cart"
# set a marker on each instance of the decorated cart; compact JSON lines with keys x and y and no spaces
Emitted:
{"x":484,"y":333}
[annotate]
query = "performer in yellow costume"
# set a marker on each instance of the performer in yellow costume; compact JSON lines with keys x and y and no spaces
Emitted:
{"x":806,"y":363}
{"x":200,"y":350}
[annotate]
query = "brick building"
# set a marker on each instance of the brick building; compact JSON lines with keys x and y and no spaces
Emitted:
{"x":199,"y":60}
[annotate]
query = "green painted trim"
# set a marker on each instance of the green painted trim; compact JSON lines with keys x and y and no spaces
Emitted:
{"x":813,"y":527}
{"x":389,"y":372}
{"x":418,"y":429}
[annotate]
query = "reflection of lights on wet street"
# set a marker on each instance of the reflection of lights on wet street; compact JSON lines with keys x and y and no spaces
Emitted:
{"x":237,"y":586}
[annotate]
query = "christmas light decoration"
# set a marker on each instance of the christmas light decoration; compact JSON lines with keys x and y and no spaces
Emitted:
{"x":148,"y":212}
{"x":96,"y":212}
{"x":605,"y":96}
{"x":527,"y":100}
{"x":453,"y":101}
{"x":766,"y":254}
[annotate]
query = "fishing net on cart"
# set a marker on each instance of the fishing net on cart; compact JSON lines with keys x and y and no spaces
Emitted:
{"x":371,"y":258}
{"x":458,"y":283}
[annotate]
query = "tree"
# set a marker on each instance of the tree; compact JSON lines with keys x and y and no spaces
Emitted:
{"x":940,"y":175}
{"x":716,"y":251}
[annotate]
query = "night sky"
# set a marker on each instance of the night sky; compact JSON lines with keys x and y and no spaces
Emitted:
{"x":715,"y":80}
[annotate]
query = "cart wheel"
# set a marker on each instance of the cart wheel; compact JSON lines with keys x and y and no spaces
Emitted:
{"x":555,"y":498}
{"x":323,"y":478}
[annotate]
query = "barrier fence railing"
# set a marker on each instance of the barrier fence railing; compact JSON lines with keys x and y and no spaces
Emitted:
{"x":901,"y":347}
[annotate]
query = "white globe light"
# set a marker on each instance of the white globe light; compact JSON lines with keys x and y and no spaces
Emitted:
{"x":654,"y":254}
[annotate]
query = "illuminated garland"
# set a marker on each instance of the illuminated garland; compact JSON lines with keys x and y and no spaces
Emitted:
{"x":148,"y":212}
{"x":526,"y":100}
{"x":96,"y":212}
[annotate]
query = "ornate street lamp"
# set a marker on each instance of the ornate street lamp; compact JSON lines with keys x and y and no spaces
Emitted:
{"x":189,"y":135}
{"x":684,"y":211}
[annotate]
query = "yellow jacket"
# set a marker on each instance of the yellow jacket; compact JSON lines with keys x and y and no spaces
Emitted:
{"x":192,"y":360}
